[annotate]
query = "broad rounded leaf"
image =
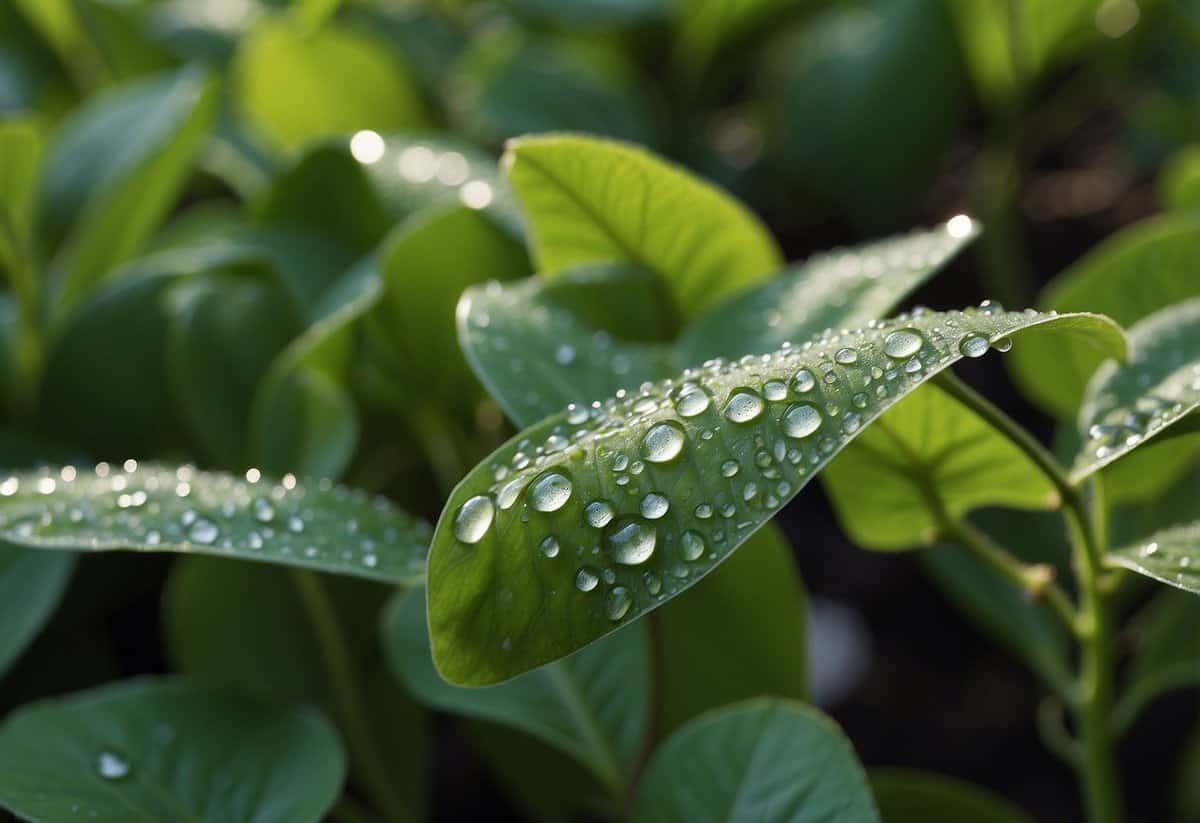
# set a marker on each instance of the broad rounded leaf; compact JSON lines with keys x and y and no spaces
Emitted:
{"x":1171,"y":556}
{"x":596,"y":201}
{"x":910,"y":796}
{"x":593,"y":705}
{"x":168,"y":750}
{"x":1132,"y":274}
{"x":754,"y":761}
{"x":592,"y":517}
{"x":153,"y":508}
{"x":31,"y":585}
{"x":842,"y":288}
{"x":1131,"y":403}
{"x":930,"y":452}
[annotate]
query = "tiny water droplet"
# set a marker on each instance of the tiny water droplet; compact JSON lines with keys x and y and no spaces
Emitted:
{"x":586,"y":579}
{"x":598,"y":513}
{"x":264,"y":512}
{"x":549,"y":547}
{"x":618,"y":602}
{"x":1003,"y":345}
{"x":202,"y":531}
{"x":112,"y":766}
{"x":692,"y":545}
{"x":730,"y":468}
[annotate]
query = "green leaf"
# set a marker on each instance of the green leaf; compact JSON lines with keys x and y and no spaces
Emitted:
{"x":1131,"y":275}
{"x":1167,"y":655}
{"x":588,"y":13}
{"x":593,"y":705}
{"x":1127,"y":405}
{"x":293,"y":85}
{"x":31,"y":585}
{"x":152,"y":508}
{"x":677,"y":477}
{"x":541,"y":344}
{"x":911,"y":796}
{"x":739,"y":633}
{"x":759,"y":760}
{"x":20,"y":162}
{"x":843,"y":288}
{"x":1179,"y":181}
{"x":246,"y":626}
{"x":708,"y":27}
{"x":115,"y":170}
{"x":168,"y":750}
{"x":1171,"y":556}
{"x":926,"y":460}
{"x":863,"y":104}
{"x":596,"y":201}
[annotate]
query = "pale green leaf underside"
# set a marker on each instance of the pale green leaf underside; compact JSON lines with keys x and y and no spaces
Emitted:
{"x":1128,"y":404}
{"x":591,"y":201}
{"x":536,"y":353}
{"x":593,"y":705}
{"x":523,"y":572}
{"x":756,"y":761}
{"x":157,"y":750}
{"x":1171,"y":556}
{"x":152,"y":508}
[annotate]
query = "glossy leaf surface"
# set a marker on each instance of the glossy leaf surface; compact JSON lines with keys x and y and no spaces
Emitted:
{"x":1171,"y":556}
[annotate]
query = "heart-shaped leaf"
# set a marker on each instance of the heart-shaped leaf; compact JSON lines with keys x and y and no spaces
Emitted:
{"x":153,"y":508}
{"x":597,"y":201}
{"x":759,"y":760}
{"x":31,"y":584}
{"x":593,"y":705}
{"x":595,"y":516}
{"x":1171,"y":556}
{"x":168,"y":750}
{"x":910,"y":796}
{"x":1129,"y":404}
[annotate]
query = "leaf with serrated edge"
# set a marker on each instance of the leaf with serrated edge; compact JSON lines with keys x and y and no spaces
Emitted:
{"x":1129,"y":404}
{"x":154,"y":508}
{"x":521,"y":570}
{"x":1171,"y":556}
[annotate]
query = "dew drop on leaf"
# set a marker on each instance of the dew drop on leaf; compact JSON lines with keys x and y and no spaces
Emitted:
{"x":617,"y":604}
{"x":744,"y":405}
{"x":598,"y":513}
{"x":846,"y":356}
{"x":550,"y":492}
{"x":691,"y":402}
{"x":655,"y":505}
{"x":474,"y":518}
{"x":1002,"y":345}
{"x":974,"y":345}
{"x":631,"y":541}
{"x":112,"y":766}
{"x":202,"y":531}
{"x":800,"y":420}
{"x":586,"y":579}
{"x":549,"y":547}
{"x":902,"y":344}
{"x":804,"y":381}
{"x":693,"y":546}
{"x":664,"y":441}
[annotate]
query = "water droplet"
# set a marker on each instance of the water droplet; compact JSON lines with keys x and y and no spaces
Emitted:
{"x":663,"y":442}
{"x":295,"y":524}
{"x":975,"y":345}
{"x":800,"y":420}
{"x":112,"y":766}
{"x":586,"y":579}
{"x":202,"y":531}
{"x":549,"y":547}
{"x":652,"y":582}
{"x":655,"y":505}
{"x":692,"y":402}
{"x":598,"y":513}
{"x":631,"y":541}
{"x":704,"y":511}
{"x":1003,"y":344}
{"x":775,"y":390}
{"x":804,"y":381}
{"x":744,"y":405}
{"x":564,"y":355}
{"x":474,"y":518}
{"x":730,"y":468}
{"x":692,"y":545}
{"x":902,"y":343}
{"x":852,"y":422}
{"x":846,"y":356}
{"x":618,"y":602}
{"x":264,"y":512}
{"x":550,"y":492}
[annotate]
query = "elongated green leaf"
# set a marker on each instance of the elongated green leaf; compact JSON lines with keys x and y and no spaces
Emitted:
{"x":1129,"y":404}
{"x":543,"y":343}
{"x":926,"y":460}
{"x":759,"y":760}
{"x":581,"y":13}
{"x":114,"y":172}
{"x":1171,"y":556}
{"x":708,"y":27}
{"x":246,"y":626}
{"x":593,"y":705}
{"x":20,"y":161}
{"x":593,"y":517}
{"x":31,"y":584}
{"x":1179,"y":181}
{"x":843,"y":288}
{"x":739,"y":633}
{"x":293,"y":84}
{"x":152,"y":508}
{"x":910,"y":796}
{"x":1131,"y":275}
{"x":597,"y":201}
{"x":168,"y":750}
{"x":1167,"y":655}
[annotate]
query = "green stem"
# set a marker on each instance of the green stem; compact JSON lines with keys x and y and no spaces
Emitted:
{"x":347,"y":697}
{"x":654,"y":721}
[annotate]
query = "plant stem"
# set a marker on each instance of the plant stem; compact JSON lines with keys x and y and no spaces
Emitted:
{"x":654,"y":720}
{"x":347,"y":696}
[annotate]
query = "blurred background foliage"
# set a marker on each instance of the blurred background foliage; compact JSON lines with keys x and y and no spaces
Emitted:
{"x":235,"y":232}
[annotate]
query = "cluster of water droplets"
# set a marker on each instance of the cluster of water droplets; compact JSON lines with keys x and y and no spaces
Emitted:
{"x":1172,"y":555}
{"x":630,"y":499}
{"x":424,"y":165}
{"x":131,"y":506}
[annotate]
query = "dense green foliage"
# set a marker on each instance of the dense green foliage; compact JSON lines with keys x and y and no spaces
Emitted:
{"x":406,"y":304}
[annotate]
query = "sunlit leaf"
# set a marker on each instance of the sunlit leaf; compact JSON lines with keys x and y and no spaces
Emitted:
{"x":152,"y":508}
{"x":593,"y":705}
{"x":759,"y":760}
{"x":843,"y":288}
{"x":596,"y":201}
{"x":595,"y":516}
{"x":1171,"y":556}
{"x":163,"y":750}
{"x":20,"y":162}
{"x":910,"y":796}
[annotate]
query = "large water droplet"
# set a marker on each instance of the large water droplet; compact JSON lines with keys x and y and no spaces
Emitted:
{"x":846,"y":356}
{"x":804,"y":381}
{"x":800,"y":420}
{"x":550,"y":492}
{"x":775,"y":390}
{"x":203,"y":531}
{"x":744,"y":405}
{"x":631,"y":541}
{"x":586,"y":579}
{"x":112,"y":766}
{"x":902,"y":343}
{"x":617,"y":604}
{"x":663,"y":442}
{"x":474,"y":518}
{"x":655,"y":505}
{"x":598,"y":513}
{"x":974,"y":345}
{"x":692,"y":402}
